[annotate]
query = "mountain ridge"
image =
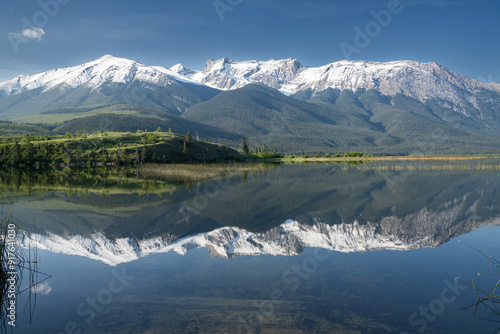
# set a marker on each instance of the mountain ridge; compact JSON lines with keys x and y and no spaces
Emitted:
{"x":104,"y":81}
{"x":290,"y":77}
{"x":381,"y":107}
{"x":286,"y":75}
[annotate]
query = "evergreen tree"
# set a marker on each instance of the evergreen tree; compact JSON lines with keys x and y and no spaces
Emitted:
{"x":29,"y":150}
{"x":188,"y":138}
{"x":158,"y":130}
{"x":244,"y":146}
{"x":3,"y":158}
{"x":137,"y":156}
{"x":16,"y":154}
{"x":120,"y":158}
{"x":185,"y":147}
{"x":144,"y":149}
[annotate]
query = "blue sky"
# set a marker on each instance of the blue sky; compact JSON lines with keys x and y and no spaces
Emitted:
{"x":38,"y":35}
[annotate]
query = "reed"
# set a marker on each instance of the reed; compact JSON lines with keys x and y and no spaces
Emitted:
{"x":198,"y":172}
{"x":16,"y":264}
{"x":487,"y":298}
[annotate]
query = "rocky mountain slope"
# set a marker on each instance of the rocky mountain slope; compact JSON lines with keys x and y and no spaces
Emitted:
{"x":384,"y":108}
{"x":420,"y":81}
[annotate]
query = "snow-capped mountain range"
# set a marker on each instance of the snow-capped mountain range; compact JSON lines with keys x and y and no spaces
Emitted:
{"x":288,"y":239}
{"x":418,"y":230}
{"x":93,"y":75}
{"x":345,"y":105}
{"x":413,"y":79}
{"x":416,"y":80}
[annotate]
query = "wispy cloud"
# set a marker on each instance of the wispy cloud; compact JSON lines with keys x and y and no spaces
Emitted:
{"x":11,"y":67}
{"x":296,"y":9}
{"x":304,"y":9}
{"x":440,"y":3}
{"x":169,"y":20}
{"x":145,"y":27}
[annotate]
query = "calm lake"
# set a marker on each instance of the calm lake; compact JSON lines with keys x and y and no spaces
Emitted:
{"x":320,"y":248}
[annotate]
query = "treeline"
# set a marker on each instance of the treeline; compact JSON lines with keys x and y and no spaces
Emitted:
{"x":123,"y":149}
{"x":350,"y":154}
{"x":67,"y":151}
{"x":259,"y":152}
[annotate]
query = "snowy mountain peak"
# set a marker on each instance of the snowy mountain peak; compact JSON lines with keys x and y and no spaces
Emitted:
{"x":228,"y":74}
{"x":106,"y":69}
{"x":109,"y":56}
{"x":183,"y":71}
{"x":178,"y":68}
{"x":216,"y":64}
{"x":420,"y":81}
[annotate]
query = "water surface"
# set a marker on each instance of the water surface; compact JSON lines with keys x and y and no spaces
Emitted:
{"x":370,"y":248}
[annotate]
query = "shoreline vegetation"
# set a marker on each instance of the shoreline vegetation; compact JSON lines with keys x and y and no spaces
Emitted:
{"x":111,"y":149}
{"x":142,"y":147}
{"x":397,"y":158}
{"x":109,"y":180}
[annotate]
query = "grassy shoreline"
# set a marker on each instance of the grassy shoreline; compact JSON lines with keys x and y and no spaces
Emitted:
{"x":397,"y":158}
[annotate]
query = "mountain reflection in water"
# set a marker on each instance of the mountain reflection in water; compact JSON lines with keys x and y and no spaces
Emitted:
{"x":260,"y":249}
{"x":267,"y":210}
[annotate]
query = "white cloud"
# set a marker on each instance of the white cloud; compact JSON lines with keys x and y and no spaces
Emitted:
{"x":25,"y":35}
{"x":42,"y":288}
{"x":35,"y":33}
{"x":17,"y":38}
